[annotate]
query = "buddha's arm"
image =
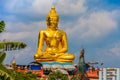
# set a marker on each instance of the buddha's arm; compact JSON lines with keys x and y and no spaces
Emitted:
{"x":64,"y":44}
{"x":40,"y":41}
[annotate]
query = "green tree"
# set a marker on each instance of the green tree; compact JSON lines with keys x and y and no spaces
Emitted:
{"x":25,"y":76}
{"x":9,"y":46}
{"x":4,"y":73}
{"x":2,"y":26}
{"x":57,"y":75}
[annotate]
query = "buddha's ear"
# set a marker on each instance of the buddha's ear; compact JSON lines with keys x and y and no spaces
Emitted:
{"x":48,"y":21}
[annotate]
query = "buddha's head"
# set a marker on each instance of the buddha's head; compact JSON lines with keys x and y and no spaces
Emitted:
{"x":52,"y":18}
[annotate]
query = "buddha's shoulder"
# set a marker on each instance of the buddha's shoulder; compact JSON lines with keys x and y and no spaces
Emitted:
{"x":43,"y":31}
{"x":47,"y":31}
{"x":61,"y":31}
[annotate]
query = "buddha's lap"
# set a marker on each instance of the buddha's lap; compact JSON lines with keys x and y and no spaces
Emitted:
{"x":60,"y":56}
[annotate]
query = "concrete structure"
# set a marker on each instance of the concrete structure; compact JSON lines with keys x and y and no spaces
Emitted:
{"x":109,"y":74}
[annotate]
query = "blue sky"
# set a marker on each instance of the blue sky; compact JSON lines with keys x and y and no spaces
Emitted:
{"x":90,"y":24}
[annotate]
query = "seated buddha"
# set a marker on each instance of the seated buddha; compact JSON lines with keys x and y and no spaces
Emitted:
{"x":55,"y":40}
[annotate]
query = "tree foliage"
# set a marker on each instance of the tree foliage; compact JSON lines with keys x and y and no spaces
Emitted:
{"x":57,"y":75}
{"x":2,"y":26}
{"x":8,"y":46}
{"x":5,"y":76}
{"x":4,"y":73}
{"x":25,"y":76}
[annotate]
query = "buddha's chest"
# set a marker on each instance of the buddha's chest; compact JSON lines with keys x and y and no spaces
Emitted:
{"x":53,"y":35}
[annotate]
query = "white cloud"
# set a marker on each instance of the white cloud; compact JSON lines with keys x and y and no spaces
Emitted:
{"x":109,"y":55}
{"x":115,"y":49}
{"x":98,"y":24}
{"x":19,"y":30}
{"x":115,"y":14}
{"x":43,"y":6}
{"x":23,"y":53}
{"x":74,"y":7}
{"x":24,"y":26}
{"x":28,"y":6}
{"x":15,"y":36}
{"x":23,"y":56}
{"x":94,"y":25}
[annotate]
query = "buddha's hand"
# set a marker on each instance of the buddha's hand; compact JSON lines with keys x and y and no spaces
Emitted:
{"x":37,"y":55}
{"x":58,"y":54}
{"x":51,"y":53}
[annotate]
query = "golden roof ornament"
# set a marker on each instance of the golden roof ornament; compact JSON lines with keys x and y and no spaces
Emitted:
{"x":13,"y":63}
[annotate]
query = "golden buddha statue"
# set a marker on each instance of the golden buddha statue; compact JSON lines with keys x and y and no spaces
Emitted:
{"x":56,"y":42}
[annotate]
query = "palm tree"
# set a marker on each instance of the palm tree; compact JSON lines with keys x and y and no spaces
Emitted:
{"x":7,"y":46}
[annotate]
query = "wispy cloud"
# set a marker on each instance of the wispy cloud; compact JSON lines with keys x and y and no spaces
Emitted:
{"x":115,"y":49}
{"x":38,"y":7}
{"x":110,"y":54}
{"x":95,"y":25}
{"x":28,"y":7}
{"x":21,"y":56}
{"x":74,"y":7}
{"x":19,"y":30}
{"x":15,"y":36}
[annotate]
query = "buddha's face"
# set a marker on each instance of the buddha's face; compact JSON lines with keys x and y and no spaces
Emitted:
{"x":53,"y":22}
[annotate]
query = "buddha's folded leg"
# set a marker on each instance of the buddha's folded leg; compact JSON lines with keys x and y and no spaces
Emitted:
{"x":65,"y":58}
{"x":43,"y":58}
